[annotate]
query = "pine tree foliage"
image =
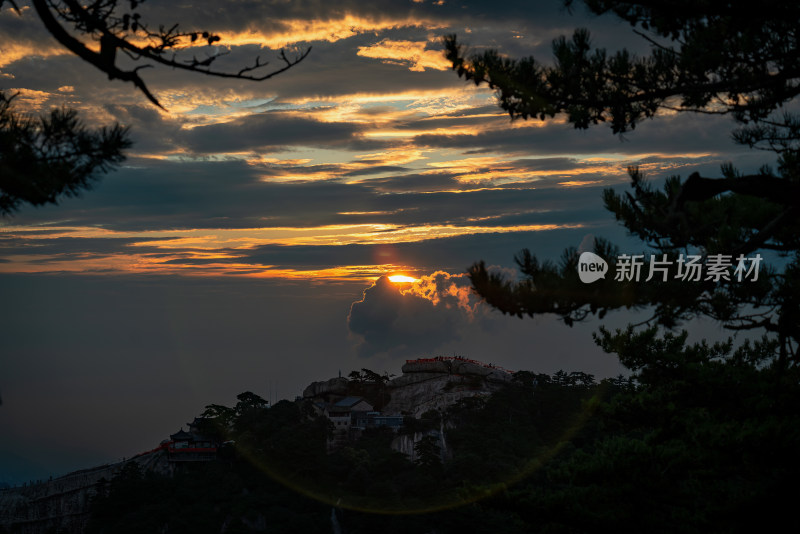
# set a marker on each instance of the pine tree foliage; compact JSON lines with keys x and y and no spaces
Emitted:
{"x":710,"y":57}
{"x":45,"y":158}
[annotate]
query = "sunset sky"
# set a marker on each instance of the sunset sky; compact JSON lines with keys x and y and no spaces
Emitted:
{"x":246,"y":241}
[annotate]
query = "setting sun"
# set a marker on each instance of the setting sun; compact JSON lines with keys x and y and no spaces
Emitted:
{"x":401,"y":279}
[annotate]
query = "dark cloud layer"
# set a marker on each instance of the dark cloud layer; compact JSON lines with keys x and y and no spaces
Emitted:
{"x":455,"y":254}
{"x":232,"y":194}
{"x":333,"y":68}
{"x":680,"y":134}
{"x":268,"y":131}
{"x":61,"y":248}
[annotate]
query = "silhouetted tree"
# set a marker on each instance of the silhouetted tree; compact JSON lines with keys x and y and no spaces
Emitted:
{"x":248,"y":410}
{"x":714,"y":57}
{"x":43,"y":159}
{"x":429,"y":453}
{"x":116,"y":28}
{"x":668,"y":448}
{"x":371,"y":376}
{"x":356,"y":376}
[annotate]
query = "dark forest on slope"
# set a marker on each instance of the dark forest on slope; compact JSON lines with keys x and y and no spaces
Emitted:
{"x":700,"y":439}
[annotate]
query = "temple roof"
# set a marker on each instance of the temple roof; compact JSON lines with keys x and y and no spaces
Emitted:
{"x":181,"y":435}
{"x":349,"y":402}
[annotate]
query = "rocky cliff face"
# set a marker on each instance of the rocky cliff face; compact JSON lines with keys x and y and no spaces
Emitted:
{"x":456,"y":366}
{"x":438,"y":384}
{"x":62,"y":504}
{"x":334,"y":386}
{"x":426,"y":384}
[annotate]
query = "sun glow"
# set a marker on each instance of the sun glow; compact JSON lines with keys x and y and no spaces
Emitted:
{"x":402,"y":279}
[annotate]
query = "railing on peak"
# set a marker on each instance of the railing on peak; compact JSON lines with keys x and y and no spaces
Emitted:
{"x":461,"y":359}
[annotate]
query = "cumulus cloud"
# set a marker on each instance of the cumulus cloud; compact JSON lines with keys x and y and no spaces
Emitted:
{"x":444,"y":289}
{"x":409,"y":320}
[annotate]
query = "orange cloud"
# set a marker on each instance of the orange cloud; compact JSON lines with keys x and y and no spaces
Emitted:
{"x":177,"y":254}
{"x":444,"y":289}
{"x":296,"y":31}
{"x":577,"y":183}
{"x":11,"y":52}
{"x":30,"y":100}
{"x":182,"y":264}
{"x":410,"y":53}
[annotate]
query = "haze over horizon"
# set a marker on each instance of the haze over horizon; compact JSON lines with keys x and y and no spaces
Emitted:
{"x":246,"y":242}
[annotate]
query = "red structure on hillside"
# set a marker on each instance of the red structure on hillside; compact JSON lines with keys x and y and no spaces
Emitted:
{"x":459,"y":359}
{"x":191,"y":446}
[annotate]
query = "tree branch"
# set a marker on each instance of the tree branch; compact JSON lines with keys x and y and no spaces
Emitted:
{"x":94,"y":58}
{"x":110,"y":42}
